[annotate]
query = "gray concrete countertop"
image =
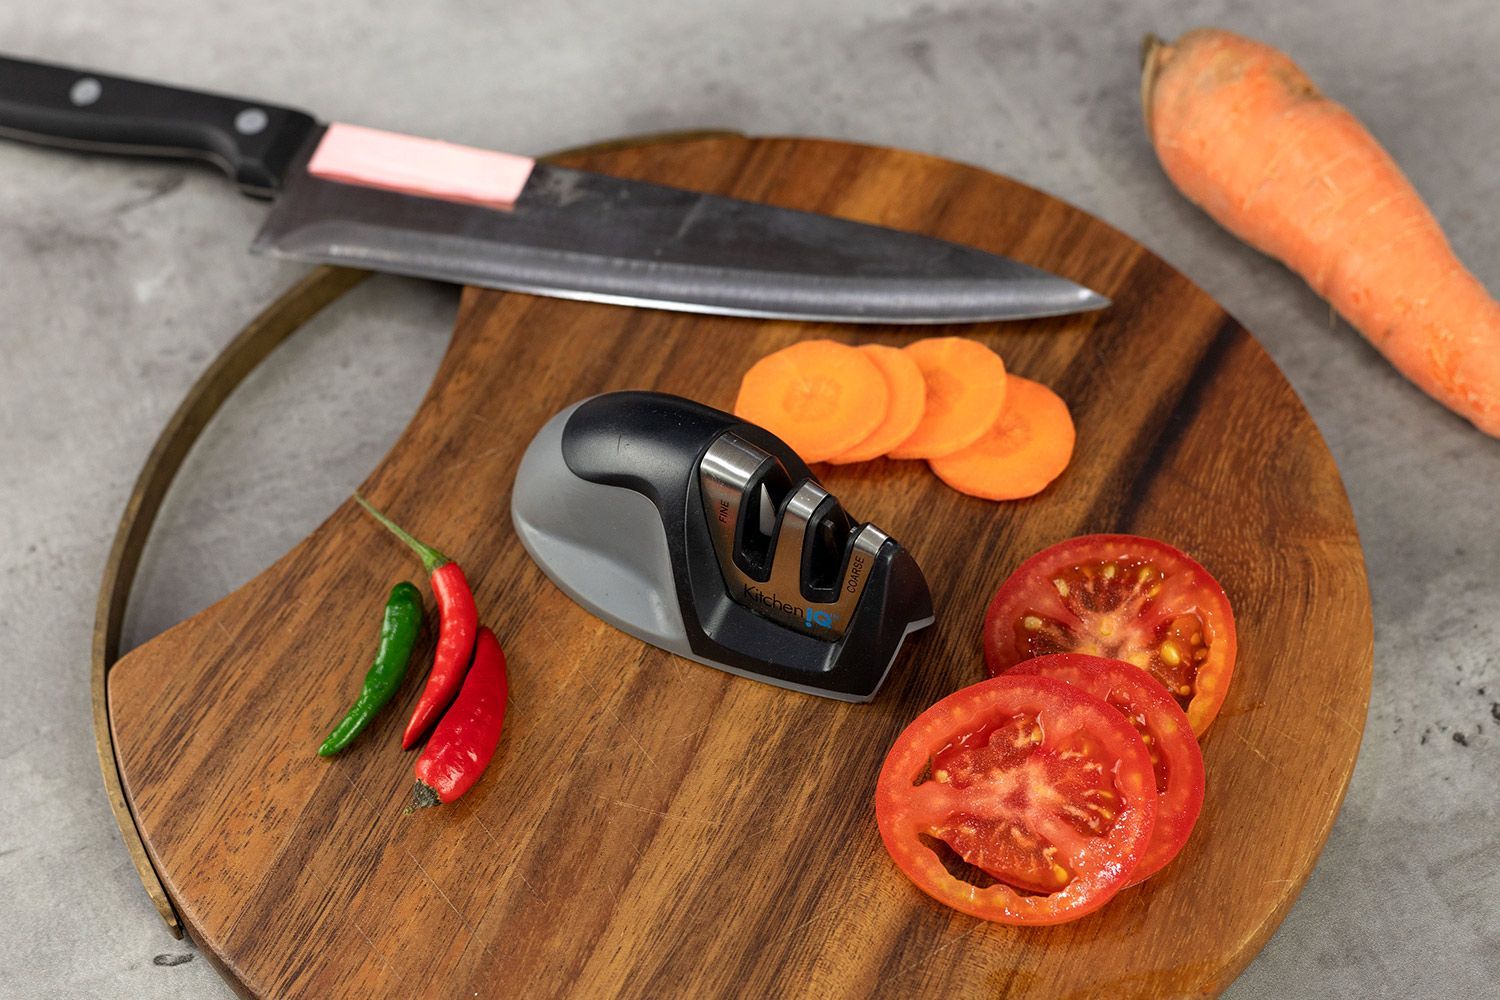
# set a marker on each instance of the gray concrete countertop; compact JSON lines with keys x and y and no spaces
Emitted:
{"x":119,"y":281}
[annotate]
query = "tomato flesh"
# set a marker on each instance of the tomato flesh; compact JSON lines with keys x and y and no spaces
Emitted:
{"x":1120,"y":597}
{"x":1018,"y":799}
{"x":1071,"y":783}
{"x":1176,"y":760}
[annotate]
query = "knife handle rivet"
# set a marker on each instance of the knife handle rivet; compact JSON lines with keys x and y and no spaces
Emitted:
{"x":85,"y":92}
{"x":251,"y":121}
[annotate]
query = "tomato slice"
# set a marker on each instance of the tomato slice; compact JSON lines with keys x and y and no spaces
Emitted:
{"x":1021,"y":800}
{"x":1176,"y":761}
{"x":1126,"y":598}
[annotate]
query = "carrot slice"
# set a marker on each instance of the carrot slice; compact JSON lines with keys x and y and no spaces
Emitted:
{"x":965,"y":393}
{"x":1027,"y":448}
{"x":819,"y":396}
{"x":908,"y":401}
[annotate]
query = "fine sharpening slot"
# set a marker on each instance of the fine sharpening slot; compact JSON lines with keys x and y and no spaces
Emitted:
{"x":801,"y":562}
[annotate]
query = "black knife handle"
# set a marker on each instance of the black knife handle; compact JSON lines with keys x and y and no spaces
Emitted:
{"x":252,"y":142}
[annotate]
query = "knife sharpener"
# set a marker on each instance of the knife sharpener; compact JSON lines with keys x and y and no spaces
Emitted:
{"x":707,"y":536}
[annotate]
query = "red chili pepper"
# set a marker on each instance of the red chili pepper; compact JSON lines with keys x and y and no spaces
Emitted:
{"x":463,"y":743}
{"x":457,"y":617}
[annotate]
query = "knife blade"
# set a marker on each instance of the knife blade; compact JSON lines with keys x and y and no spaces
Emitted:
{"x":567,"y":233}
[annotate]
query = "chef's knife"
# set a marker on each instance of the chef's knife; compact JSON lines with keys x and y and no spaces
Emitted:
{"x":552,"y":231}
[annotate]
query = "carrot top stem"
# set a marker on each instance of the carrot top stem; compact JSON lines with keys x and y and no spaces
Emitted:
{"x":1151,"y":51}
{"x":432,"y":559}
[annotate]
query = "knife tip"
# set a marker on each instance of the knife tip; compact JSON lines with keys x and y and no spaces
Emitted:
{"x":1092,"y":301}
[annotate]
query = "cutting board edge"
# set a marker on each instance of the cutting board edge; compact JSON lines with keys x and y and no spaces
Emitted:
{"x":1244,"y":954}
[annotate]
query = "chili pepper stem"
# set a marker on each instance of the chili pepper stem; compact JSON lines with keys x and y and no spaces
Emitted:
{"x":423,"y":795}
{"x":432,"y":559}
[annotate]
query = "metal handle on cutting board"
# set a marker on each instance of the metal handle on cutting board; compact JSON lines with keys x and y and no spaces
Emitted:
{"x":251,"y":141}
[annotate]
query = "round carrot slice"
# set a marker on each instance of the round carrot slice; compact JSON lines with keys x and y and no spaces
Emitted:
{"x":965,"y":392}
{"x":908,"y":401}
{"x":819,"y":396}
{"x":1027,"y":448}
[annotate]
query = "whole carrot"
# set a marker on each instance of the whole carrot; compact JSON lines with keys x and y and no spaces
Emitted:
{"x":457,"y":620}
{"x":1243,"y":132}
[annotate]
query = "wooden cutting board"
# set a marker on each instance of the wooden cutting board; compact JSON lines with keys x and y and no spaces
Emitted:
{"x":651,"y":827}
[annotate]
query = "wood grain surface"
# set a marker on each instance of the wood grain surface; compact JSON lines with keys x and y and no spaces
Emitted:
{"x":653,"y":828}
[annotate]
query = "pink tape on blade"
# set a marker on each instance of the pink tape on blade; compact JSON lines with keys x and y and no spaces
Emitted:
{"x":351,"y":154}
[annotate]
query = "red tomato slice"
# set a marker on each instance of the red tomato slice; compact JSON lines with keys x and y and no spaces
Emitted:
{"x":1163,"y":726}
{"x":1125,"y":598}
{"x":1018,"y":799}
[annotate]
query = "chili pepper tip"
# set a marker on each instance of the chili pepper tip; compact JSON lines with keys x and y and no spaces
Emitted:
{"x":422,"y":796}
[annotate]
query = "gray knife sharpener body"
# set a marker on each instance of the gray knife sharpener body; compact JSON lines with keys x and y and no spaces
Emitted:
{"x":616,"y":563}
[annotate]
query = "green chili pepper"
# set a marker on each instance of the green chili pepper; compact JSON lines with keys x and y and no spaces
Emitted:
{"x":398,"y":634}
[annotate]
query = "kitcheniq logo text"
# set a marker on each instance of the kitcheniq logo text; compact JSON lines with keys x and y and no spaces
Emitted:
{"x":809,"y":617}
